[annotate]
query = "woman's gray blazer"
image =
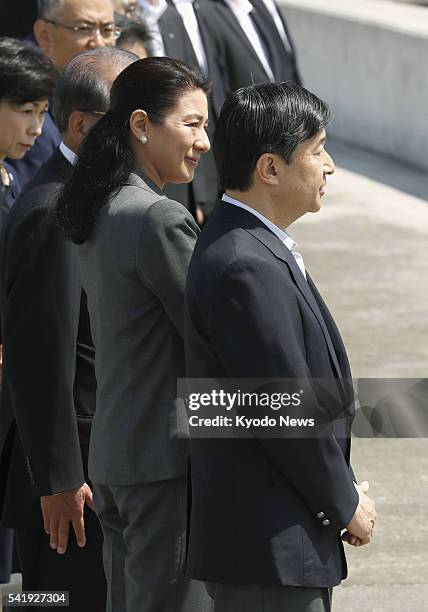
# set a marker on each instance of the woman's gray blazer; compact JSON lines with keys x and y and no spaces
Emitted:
{"x":134,"y":271}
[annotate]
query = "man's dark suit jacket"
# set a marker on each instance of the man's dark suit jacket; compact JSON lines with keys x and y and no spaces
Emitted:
{"x":48,"y":391}
{"x":242,"y":65}
{"x":257,"y":503}
{"x":287,"y":62}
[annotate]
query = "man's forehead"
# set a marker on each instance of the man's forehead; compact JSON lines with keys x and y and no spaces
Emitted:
{"x":88,"y":10}
{"x":320,"y":135}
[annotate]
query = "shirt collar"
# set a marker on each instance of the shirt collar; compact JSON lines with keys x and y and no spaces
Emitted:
{"x":68,"y":153}
{"x":289,"y":242}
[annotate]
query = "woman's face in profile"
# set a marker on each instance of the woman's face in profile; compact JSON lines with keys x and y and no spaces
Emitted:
{"x":174,"y":148}
{"x":20,"y":125}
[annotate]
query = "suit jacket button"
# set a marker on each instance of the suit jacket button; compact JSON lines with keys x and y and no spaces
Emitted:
{"x":325,"y":523}
{"x":171,"y":35}
{"x":320,"y":515}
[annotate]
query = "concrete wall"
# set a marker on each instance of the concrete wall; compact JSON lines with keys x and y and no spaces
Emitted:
{"x":369,"y":60}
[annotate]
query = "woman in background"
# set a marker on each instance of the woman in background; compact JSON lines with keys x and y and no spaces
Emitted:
{"x":27,"y":79}
{"x":135,"y":250}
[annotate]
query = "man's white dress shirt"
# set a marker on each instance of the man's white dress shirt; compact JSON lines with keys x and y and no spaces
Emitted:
{"x":68,"y":153}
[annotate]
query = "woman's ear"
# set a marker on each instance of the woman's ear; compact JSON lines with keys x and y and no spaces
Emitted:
{"x":138,"y":123}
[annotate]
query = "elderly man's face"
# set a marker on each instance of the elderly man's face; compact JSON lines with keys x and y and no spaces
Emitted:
{"x":60,"y":42}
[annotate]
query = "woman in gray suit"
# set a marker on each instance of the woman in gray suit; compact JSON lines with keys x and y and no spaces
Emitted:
{"x":135,"y":248}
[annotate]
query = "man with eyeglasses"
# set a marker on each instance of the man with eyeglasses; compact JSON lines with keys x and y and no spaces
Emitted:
{"x":63,"y":29}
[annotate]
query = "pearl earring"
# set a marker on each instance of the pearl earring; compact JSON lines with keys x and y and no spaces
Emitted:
{"x":143,"y":139}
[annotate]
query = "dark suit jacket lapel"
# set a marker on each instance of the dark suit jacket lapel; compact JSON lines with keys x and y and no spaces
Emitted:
{"x":261,"y":9}
{"x":334,"y":332}
{"x":239,"y":33}
{"x":256,"y":228}
{"x":175,"y":39}
{"x":270,"y":38}
{"x":339,"y":349}
{"x":280,"y":54}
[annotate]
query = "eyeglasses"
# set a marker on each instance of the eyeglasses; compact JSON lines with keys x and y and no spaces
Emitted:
{"x":108,"y":32}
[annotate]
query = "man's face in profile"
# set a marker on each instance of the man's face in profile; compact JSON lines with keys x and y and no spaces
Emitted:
{"x":94,"y":20}
{"x":304,"y":178}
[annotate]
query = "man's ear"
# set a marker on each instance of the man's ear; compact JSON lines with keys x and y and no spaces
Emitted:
{"x":43,"y":34}
{"x":267,"y":168}
{"x":79,"y":124}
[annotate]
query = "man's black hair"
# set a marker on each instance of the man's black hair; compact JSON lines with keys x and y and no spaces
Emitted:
{"x":270,"y":118}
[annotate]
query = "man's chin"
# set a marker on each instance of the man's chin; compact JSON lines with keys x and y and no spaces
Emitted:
{"x":317,"y":205}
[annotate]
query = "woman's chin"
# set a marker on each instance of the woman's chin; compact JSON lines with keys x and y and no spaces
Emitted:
{"x":186,"y":176}
{"x":16,"y":155}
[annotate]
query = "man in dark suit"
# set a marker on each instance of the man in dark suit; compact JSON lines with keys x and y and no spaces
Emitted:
{"x":275,"y":506}
{"x":255,"y":50}
{"x":55,"y":32}
{"x":48,"y":392}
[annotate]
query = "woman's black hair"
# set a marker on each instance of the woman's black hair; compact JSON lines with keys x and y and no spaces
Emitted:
{"x":26,"y":75}
{"x":105,"y":161}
